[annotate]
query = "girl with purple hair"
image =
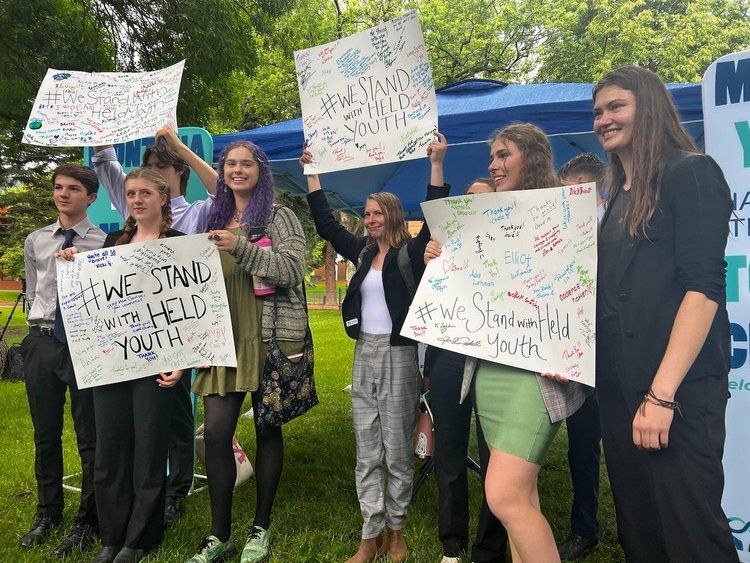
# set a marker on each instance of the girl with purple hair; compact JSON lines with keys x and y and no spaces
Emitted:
{"x":243,"y":211}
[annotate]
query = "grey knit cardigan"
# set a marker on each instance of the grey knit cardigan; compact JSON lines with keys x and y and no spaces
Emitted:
{"x":283,"y":265}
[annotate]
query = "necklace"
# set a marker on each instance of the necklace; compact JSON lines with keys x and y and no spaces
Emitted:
{"x":237,"y":215}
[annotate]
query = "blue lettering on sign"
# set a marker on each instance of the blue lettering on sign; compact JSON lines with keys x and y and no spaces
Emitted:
{"x":739,"y":336}
{"x":733,"y":81}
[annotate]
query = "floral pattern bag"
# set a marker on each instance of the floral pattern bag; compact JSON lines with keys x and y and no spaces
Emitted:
{"x":287,"y":389}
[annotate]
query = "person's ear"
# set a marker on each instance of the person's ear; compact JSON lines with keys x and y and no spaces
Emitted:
{"x":91,"y":199}
{"x":581,"y":180}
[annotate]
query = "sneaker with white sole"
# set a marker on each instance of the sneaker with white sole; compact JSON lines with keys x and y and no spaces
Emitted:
{"x":447,"y":559}
{"x":258,"y":546}
{"x":213,"y":550}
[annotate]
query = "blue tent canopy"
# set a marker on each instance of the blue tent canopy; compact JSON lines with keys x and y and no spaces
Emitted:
{"x":468,"y":113}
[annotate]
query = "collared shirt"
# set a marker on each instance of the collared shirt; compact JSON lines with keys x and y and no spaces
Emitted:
{"x":189,"y":218}
{"x":41,"y":273}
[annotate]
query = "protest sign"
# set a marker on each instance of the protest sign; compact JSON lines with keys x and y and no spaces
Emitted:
{"x":134,"y":310}
{"x":368,"y":98}
{"x":516,"y":281}
{"x":82,"y":109}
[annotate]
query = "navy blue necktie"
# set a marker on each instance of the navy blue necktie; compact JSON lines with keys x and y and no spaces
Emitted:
{"x":59,"y":330}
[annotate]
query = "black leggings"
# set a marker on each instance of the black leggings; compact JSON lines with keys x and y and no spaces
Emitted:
{"x":220,"y":424}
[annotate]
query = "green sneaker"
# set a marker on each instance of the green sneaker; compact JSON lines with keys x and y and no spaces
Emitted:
{"x":213,"y":550}
{"x":258,"y":546}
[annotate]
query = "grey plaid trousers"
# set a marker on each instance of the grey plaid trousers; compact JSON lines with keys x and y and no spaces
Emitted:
{"x":385,"y":401}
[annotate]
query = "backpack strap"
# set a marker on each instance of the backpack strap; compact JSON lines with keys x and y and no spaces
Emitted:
{"x":404,"y":265}
{"x":403,"y":261}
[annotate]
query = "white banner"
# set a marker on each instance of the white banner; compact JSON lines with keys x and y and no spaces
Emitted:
{"x":134,"y":310}
{"x":368,"y":98}
{"x":726,"y":114}
{"x":516,"y":282}
{"x":82,"y":109}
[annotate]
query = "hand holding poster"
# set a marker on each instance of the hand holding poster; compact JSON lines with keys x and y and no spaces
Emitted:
{"x":134,"y":310}
{"x":516,"y":281}
{"x":81,"y":109}
{"x":369,"y":98}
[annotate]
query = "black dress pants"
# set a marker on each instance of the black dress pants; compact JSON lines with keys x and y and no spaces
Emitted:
{"x":452,"y":422}
{"x":668,"y":502}
{"x":132,"y":424}
{"x":182,"y":432}
{"x":49,"y":374}
{"x":584,"y":453}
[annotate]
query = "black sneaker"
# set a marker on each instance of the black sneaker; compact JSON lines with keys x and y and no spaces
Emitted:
{"x":42,"y":528}
{"x":171,"y":511}
{"x":82,"y":537}
{"x":576,"y":547}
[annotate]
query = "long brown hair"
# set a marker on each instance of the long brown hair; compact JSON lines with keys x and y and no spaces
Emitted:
{"x":536,"y":171}
{"x":656,"y":133}
{"x":166,"y":210}
{"x":396,"y":234}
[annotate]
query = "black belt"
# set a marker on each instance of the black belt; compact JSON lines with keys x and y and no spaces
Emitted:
{"x":43,"y":330}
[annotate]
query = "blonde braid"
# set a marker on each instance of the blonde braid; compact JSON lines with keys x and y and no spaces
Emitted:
{"x":128,"y":232}
{"x":166,"y":218}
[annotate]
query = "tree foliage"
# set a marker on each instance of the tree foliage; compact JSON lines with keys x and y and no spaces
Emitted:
{"x":677,"y":39}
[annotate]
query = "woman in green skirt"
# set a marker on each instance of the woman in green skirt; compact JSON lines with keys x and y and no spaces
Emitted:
{"x":520,"y":411}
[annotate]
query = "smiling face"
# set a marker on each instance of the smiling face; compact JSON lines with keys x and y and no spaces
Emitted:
{"x":71,"y":197}
{"x":614,"y":119}
{"x":374,"y":220}
{"x":168,"y":172}
{"x":144,"y":200}
{"x":241,"y":170}
{"x":506,"y":165}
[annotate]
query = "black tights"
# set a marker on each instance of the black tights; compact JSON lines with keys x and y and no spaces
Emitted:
{"x":220,"y":424}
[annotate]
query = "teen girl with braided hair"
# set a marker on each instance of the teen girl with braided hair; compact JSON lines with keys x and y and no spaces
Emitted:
{"x":132,"y":417}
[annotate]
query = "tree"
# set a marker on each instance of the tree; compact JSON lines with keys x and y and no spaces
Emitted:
{"x":495,"y":39}
{"x":28,"y":208}
{"x":677,"y":39}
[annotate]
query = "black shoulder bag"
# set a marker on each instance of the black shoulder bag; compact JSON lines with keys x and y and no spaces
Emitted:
{"x":287,"y":388}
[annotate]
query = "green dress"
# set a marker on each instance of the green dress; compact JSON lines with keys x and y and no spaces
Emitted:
{"x":246,"y":313}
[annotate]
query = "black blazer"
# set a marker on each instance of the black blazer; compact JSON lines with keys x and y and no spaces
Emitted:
{"x":683,"y":251}
{"x":349,"y":246}
{"x":114,"y":235}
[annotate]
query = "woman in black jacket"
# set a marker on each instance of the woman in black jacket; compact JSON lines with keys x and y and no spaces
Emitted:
{"x":385,"y":378}
{"x":663,"y":330}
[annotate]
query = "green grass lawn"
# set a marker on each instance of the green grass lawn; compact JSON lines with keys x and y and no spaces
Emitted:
{"x":316,"y":516}
{"x":8,"y":296}
{"x":17,"y":328}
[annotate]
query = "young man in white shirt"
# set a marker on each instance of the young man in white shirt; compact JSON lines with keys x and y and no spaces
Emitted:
{"x":47,"y":365}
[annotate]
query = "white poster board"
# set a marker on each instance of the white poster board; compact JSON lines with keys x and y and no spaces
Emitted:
{"x":516,"y":281}
{"x":726,"y":112}
{"x":82,"y":109}
{"x":134,"y":310}
{"x":368,"y":98}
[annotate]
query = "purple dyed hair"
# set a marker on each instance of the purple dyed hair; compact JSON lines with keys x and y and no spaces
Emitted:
{"x":258,"y":211}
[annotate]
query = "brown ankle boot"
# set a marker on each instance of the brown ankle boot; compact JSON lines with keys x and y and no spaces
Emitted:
{"x":397,"y":550}
{"x":370,"y":549}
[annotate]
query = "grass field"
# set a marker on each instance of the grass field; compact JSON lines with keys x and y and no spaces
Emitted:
{"x":316,"y":517}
